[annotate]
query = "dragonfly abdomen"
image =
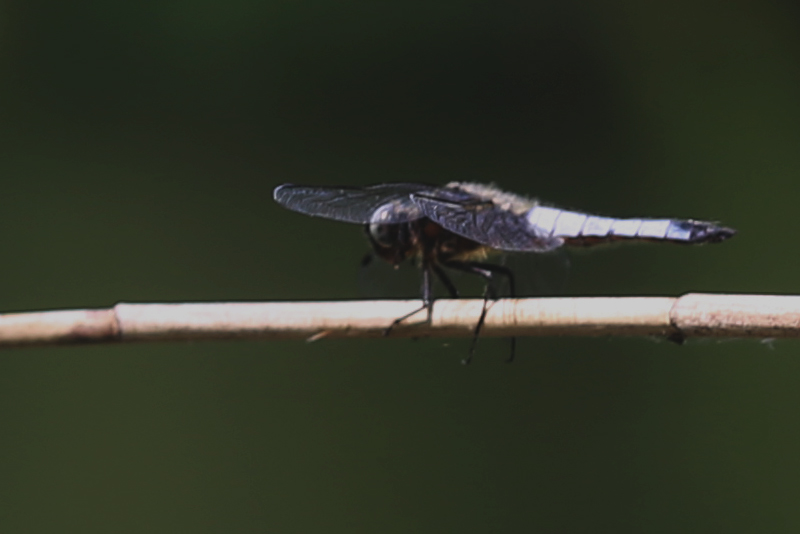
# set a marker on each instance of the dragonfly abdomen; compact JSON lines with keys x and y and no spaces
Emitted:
{"x":581,"y":229}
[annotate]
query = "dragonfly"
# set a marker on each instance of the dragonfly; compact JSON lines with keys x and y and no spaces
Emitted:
{"x":460,"y":225}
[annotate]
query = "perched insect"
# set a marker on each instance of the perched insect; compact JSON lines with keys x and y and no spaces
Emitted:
{"x":457,"y":226}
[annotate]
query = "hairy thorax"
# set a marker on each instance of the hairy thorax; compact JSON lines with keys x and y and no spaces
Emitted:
{"x":422,"y":241}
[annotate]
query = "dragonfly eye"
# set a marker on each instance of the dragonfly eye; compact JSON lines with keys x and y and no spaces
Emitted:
{"x":384,"y":235}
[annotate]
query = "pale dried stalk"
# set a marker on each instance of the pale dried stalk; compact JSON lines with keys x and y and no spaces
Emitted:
{"x":760,"y":316}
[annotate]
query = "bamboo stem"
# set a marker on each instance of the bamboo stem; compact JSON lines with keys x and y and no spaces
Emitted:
{"x":692,"y":315}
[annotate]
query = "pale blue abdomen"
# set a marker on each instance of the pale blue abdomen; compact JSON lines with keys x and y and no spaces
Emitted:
{"x":577,"y":228}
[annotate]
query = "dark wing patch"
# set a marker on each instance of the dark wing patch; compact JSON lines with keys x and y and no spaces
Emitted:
{"x":354,"y":204}
{"x":484,"y":222}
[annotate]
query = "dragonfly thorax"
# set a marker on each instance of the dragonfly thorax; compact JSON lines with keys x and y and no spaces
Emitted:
{"x":421,"y":239}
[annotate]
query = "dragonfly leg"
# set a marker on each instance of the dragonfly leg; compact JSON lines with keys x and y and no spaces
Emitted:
{"x":427,"y":300}
{"x":487,"y":271}
{"x":451,"y":288}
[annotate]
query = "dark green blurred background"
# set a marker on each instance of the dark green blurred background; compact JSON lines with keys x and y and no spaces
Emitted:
{"x":140,"y":143}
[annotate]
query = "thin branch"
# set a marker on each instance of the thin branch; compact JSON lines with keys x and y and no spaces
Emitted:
{"x":692,"y":315}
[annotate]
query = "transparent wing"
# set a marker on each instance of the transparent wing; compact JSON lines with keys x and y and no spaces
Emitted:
{"x":354,"y":204}
{"x":482,"y":221}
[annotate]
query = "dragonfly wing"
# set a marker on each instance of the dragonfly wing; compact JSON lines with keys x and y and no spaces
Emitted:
{"x":482,"y":221}
{"x":389,"y":203}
